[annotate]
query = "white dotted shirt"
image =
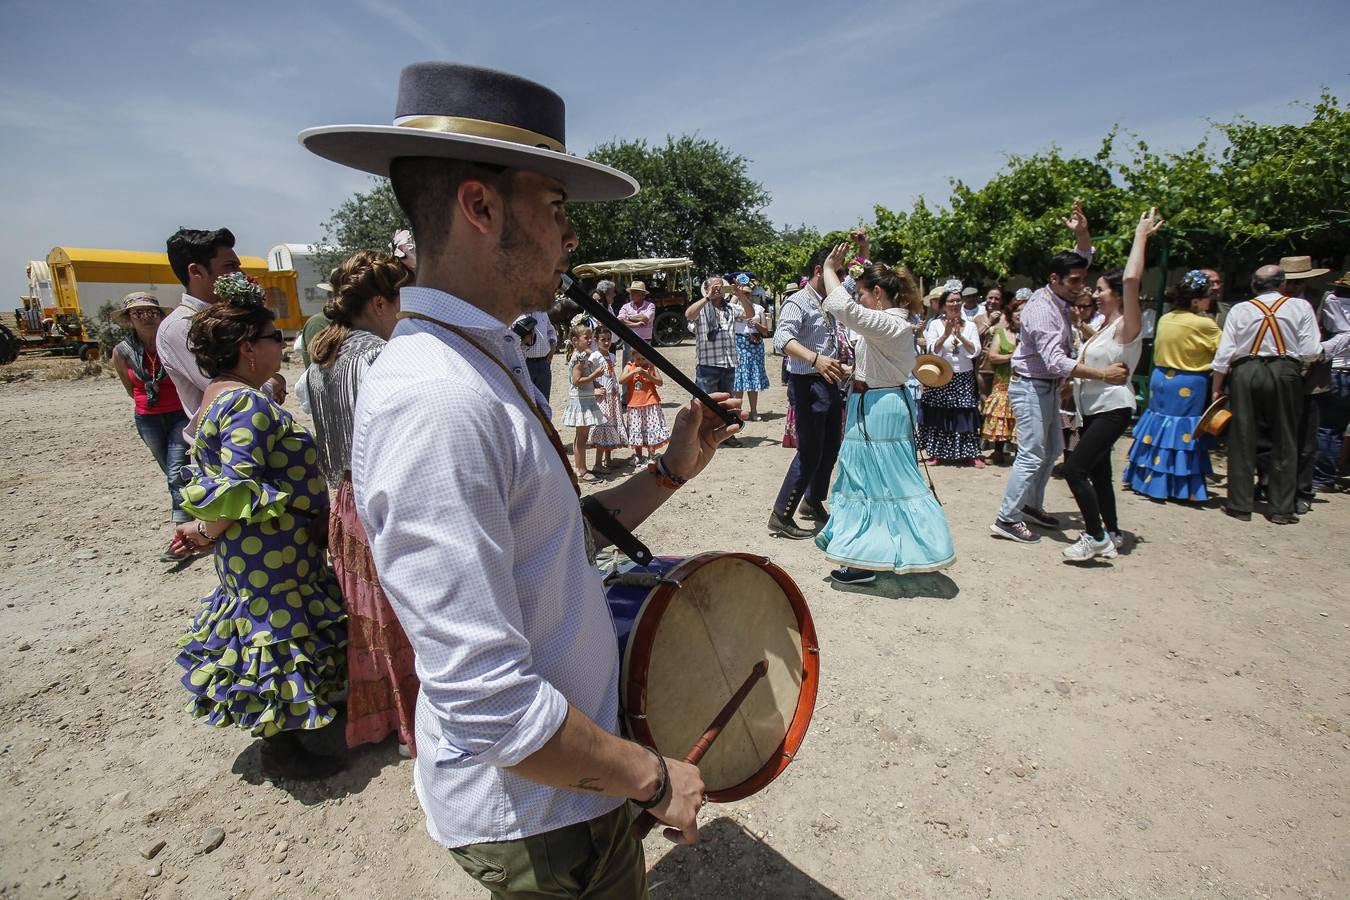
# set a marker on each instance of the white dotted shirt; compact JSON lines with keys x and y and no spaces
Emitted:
{"x":479,"y":542}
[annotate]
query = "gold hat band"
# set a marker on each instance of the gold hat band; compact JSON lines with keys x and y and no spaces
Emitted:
{"x":482,"y":128}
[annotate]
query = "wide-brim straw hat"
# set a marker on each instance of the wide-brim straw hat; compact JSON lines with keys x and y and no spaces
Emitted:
{"x":1214,"y":421}
{"x":639,"y":286}
{"x":932,"y":371}
{"x":138,"y":300}
{"x":467,"y":113}
{"x":1298,"y":267}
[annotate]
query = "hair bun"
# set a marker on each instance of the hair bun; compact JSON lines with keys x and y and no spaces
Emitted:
{"x":238,"y":289}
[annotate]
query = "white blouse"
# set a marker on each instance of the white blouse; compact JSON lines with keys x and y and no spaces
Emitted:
{"x":951,"y":349}
{"x":884,"y":352}
{"x":747,"y":326}
{"x":1098,"y":352}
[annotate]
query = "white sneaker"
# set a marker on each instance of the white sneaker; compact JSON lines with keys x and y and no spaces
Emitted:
{"x":1086,"y":548}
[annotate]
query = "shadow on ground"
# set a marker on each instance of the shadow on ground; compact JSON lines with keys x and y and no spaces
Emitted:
{"x":730,"y":862}
{"x":931,"y":585}
{"x":363,"y":765}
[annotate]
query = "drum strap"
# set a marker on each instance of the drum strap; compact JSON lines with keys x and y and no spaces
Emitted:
{"x":553,"y":437}
{"x":595,"y":512}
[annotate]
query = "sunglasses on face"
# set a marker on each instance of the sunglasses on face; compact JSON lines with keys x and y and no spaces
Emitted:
{"x":274,"y":336}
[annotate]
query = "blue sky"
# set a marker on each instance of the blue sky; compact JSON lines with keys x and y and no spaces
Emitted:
{"x":122,"y":121}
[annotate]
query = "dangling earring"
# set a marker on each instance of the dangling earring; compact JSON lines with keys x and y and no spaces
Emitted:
{"x":253,"y":365}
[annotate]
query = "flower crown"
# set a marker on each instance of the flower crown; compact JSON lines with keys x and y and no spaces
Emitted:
{"x":953,"y":286}
{"x":1023,"y":294}
{"x":1195,"y":280}
{"x":238,"y":289}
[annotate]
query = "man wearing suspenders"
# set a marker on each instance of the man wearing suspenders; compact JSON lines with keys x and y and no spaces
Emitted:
{"x":1259,"y":365}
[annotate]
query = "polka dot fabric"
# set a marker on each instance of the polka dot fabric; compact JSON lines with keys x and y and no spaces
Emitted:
{"x":265,"y":650}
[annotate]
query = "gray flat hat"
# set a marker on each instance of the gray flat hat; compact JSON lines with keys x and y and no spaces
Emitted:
{"x":468,"y":113}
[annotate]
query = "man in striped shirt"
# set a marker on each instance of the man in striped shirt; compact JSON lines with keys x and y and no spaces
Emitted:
{"x":1041,"y":364}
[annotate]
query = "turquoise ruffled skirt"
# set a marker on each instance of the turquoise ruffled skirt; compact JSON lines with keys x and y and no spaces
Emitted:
{"x":1168,"y":460}
{"x":883,"y":517}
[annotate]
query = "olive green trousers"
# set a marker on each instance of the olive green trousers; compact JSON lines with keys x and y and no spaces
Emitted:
{"x":598,"y":860}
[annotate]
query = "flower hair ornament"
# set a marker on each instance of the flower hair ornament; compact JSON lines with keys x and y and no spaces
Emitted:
{"x":953,"y":286}
{"x":402,"y":244}
{"x":1195,"y":281}
{"x":238,"y":289}
{"x":1023,"y":294}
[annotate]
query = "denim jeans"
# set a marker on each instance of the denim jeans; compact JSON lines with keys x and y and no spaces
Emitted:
{"x":163,"y":434}
{"x":715,"y":378}
{"x":1334,"y":407}
{"x":1040,"y":439}
{"x":541,"y":374}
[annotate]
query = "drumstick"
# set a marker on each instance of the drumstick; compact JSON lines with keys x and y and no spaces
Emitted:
{"x":646,"y":822}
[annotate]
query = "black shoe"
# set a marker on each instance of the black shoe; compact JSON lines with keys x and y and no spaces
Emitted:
{"x":1302,"y":507}
{"x":283,"y":756}
{"x":783,"y":526}
{"x":1237,"y":514}
{"x":1281,"y":519}
{"x":1260,"y":495}
{"x":814,"y":509}
{"x":847,"y":575}
{"x":1040,"y":517}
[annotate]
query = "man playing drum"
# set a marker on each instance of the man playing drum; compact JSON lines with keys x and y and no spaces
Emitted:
{"x":462,"y":485}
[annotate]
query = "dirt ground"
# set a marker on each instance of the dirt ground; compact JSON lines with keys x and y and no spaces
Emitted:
{"x":1173,"y":723}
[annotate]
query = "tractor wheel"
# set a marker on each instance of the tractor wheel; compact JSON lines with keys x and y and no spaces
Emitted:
{"x":670,"y":328}
{"x":90,"y":353}
{"x":9,"y":346}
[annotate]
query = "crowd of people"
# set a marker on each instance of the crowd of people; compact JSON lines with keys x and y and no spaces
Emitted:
{"x":422,"y":559}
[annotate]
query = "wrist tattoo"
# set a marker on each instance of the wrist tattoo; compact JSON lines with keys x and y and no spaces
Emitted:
{"x":589,"y":784}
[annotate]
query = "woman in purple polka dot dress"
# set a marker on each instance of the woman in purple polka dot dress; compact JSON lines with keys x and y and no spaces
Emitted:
{"x":265,"y":651}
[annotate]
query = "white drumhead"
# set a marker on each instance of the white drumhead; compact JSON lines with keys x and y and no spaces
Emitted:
{"x":723,"y":619}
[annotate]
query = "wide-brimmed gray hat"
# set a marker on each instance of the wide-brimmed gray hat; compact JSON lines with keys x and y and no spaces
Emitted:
{"x":468,"y":113}
{"x":138,"y":300}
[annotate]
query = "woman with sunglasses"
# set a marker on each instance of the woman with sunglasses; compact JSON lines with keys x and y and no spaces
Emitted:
{"x":266,"y":649}
{"x":159,"y":412}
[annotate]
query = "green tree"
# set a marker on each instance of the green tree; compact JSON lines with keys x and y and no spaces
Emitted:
{"x":366,"y":220}
{"x":782,"y":259}
{"x":697,"y":200}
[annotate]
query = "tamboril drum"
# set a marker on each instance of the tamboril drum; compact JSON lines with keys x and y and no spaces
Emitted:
{"x":690,"y":633}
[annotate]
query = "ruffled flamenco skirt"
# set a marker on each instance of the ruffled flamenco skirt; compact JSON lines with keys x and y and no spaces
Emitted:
{"x":382,"y":686}
{"x":266,"y":649}
{"x":951,"y":419}
{"x":883,"y":517}
{"x":1168,"y":460}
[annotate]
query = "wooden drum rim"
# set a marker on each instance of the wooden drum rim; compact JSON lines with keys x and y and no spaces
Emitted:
{"x":643,"y":637}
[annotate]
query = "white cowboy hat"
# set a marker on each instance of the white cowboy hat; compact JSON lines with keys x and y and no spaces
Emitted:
{"x":472,"y":114}
{"x":638,"y":286}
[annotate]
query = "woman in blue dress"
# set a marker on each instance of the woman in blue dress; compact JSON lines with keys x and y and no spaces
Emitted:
{"x":883,"y":516}
{"x":751,"y":376}
{"x":1168,"y":459}
{"x":265,"y":651}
